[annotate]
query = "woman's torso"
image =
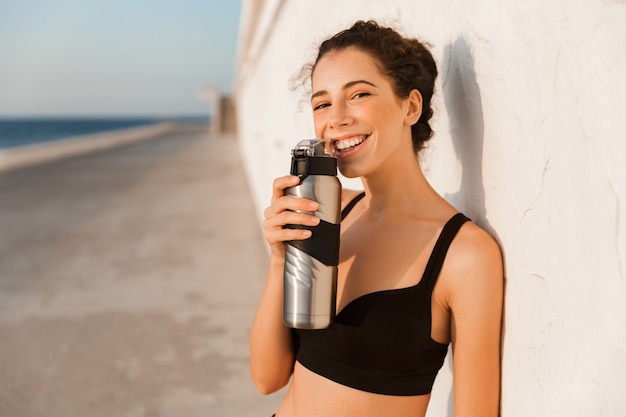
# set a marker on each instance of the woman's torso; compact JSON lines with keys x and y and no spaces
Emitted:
{"x":311,"y":395}
{"x":374,"y":256}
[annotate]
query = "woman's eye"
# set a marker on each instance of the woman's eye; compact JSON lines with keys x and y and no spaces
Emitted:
{"x":361,"y":95}
{"x":320,"y":106}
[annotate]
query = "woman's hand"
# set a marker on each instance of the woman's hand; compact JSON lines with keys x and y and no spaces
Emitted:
{"x":287,"y":210}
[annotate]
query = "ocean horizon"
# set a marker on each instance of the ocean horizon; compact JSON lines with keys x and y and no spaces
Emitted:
{"x":20,"y":131}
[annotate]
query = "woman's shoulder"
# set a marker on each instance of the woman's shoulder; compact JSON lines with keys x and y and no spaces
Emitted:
{"x":472,"y":233}
{"x":474,"y":257}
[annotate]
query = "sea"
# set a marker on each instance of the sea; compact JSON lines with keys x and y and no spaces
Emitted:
{"x":25,"y":131}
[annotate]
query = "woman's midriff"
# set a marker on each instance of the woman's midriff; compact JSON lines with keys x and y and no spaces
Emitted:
{"x":311,"y":395}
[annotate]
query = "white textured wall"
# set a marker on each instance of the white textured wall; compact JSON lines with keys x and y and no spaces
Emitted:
{"x":529,"y":143}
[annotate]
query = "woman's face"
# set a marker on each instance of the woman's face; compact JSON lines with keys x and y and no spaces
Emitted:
{"x":354,"y":107}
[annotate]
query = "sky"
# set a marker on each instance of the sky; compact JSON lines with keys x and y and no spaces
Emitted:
{"x":115,"y":57}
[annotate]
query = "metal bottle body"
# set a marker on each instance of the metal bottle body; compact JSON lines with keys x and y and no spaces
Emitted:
{"x":310,"y":276}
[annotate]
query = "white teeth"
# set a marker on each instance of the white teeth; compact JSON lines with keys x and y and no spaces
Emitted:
{"x":349,"y":143}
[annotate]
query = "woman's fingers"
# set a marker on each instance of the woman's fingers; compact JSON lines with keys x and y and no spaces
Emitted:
{"x":285,"y":210}
{"x":281,"y":202}
{"x":280,"y":183}
{"x":290,"y":217}
{"x":285,"y":203}
{"x":275,"y":226}
{"x":283,"y":235}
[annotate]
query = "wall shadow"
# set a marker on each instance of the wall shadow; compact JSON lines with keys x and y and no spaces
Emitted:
{"x":467,"y":129}
{"x":464,"y":106}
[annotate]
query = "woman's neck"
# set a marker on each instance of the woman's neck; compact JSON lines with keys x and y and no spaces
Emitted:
{"x":398,"y":188}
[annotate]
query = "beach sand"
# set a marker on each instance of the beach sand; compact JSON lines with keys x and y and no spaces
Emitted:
{"x":128,"y":281}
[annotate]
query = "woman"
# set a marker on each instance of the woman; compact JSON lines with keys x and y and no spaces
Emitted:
{"x":414,"y":274}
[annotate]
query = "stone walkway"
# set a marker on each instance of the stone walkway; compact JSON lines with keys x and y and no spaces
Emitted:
{"x":128,"y":281}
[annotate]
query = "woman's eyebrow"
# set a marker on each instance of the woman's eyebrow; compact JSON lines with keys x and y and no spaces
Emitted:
{"x":353,"y":83}
{"x":346,"y":85}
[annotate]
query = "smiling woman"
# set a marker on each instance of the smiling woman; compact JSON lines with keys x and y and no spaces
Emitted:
{"x":414,"y":274}
{"x":360,"y":106}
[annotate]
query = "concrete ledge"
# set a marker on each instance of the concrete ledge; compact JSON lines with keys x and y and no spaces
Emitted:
{"x":28,"y":155}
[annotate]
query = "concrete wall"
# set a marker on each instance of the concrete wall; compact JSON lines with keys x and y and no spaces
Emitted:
{"x":529,"y":143}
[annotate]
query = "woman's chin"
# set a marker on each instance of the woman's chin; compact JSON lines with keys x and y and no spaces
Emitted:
{"x":347,"y":171}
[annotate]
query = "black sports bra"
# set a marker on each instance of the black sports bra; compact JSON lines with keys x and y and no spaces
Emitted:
{"x":381,"y":342}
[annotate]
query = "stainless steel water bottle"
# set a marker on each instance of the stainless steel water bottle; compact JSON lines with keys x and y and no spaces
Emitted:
{"x":310,"y":277}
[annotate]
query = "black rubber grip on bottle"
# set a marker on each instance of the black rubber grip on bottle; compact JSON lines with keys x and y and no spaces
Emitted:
{"x":323,"y":244}
{"x":306,"y":166}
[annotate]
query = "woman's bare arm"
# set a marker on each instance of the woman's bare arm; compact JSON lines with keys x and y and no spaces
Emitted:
{"x":475,"y":300}
{"x":272,"y":355}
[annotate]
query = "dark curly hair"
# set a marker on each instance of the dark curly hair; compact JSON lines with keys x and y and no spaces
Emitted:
{"x":406,"y":62}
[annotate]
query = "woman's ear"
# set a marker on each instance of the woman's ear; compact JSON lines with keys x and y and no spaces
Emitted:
{"x":414,"y":110}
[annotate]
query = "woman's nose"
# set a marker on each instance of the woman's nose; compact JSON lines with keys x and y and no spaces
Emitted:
{"x":339,"y":116}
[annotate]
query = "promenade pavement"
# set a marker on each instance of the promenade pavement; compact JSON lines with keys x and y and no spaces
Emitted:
{"x":128,"y":281}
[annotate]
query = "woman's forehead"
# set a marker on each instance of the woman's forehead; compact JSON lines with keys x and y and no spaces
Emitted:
{"x":344,"y":65}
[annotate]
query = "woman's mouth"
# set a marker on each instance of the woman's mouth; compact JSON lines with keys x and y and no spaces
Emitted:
{"x":344,"y":145}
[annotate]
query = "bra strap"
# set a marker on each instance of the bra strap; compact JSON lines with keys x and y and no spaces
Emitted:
{"x":438,"y":255}
{"x":351,"y":205}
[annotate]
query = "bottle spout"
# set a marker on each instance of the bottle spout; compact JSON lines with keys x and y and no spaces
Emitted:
{"x":314,"y":147}
{"x":329,"y":149}
{"x":313,"y":157}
